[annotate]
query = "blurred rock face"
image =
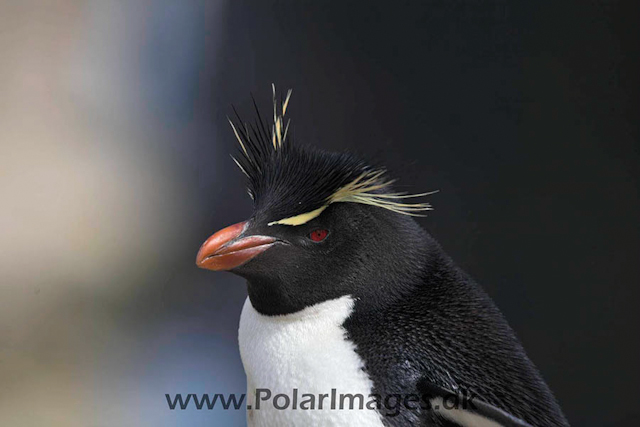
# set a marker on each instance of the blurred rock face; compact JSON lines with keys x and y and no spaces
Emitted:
{"x":91,"y":200}
{"x":84,"y":193}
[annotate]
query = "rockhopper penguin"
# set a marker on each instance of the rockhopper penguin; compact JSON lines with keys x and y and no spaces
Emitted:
{"x":354,"y":310}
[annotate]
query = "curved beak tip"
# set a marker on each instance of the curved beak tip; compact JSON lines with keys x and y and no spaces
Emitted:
{"x":226,"y":249}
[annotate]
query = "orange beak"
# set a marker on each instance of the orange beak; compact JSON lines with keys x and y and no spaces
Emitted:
{"x":225,"y":250}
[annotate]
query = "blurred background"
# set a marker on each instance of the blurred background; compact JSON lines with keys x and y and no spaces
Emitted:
{"x":114,"y":167}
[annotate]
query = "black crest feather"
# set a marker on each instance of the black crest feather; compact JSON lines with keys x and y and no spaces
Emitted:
{"x":287,"y":179}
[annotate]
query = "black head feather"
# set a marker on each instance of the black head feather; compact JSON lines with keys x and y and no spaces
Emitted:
{"x":287,"y":179}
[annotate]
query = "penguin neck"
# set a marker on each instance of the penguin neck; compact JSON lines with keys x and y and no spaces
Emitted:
{"x":400,"y":268}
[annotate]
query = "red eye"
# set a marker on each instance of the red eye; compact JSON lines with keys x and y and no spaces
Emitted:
{"x":318,"y":235}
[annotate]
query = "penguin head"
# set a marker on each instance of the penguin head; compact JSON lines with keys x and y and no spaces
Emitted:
{"x":324,"y":224}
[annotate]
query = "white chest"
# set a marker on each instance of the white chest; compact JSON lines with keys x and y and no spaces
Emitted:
{"x":303,"y":355}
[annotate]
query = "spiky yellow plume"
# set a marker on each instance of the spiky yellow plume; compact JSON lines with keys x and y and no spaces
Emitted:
{"x":278,"y":132}
{"x":364,"y":190}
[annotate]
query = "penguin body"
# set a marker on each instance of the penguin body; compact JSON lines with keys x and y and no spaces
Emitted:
{"x":348,"y":294}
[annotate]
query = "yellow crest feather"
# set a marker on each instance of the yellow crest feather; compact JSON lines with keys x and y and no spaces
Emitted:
{"x":363,"y":190}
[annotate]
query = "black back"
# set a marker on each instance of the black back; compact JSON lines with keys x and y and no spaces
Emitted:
{"x":444,"y":330}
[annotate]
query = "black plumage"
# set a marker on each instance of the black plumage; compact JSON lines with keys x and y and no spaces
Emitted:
{"x":419,"y":322}
{"x":292,"y":178}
